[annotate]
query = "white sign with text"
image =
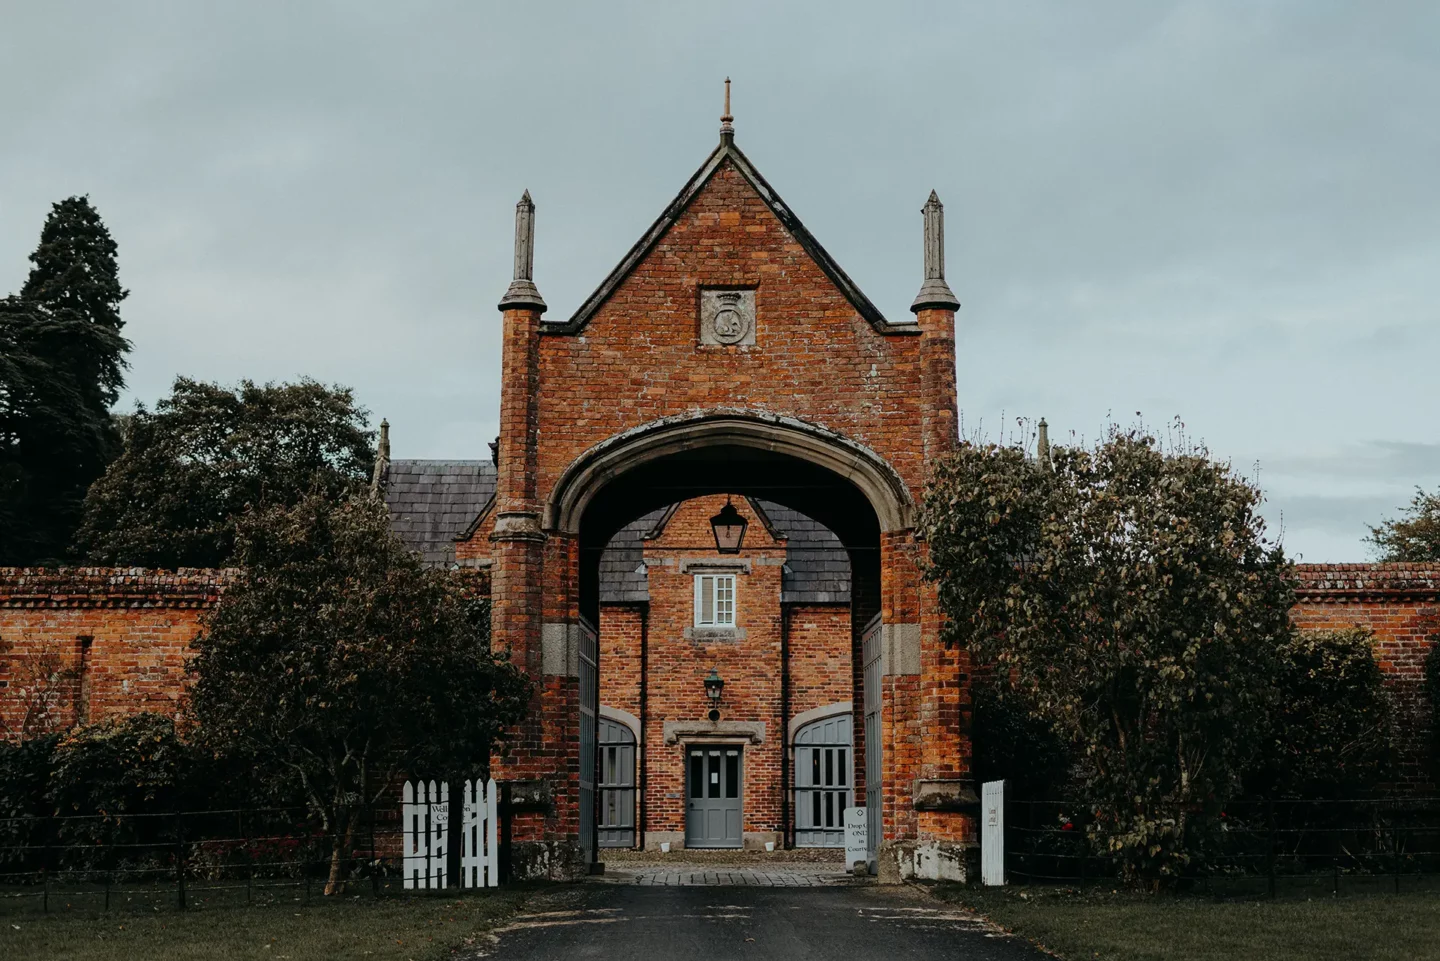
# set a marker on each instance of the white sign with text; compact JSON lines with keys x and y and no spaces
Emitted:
{"x":856,"y":838}
{"x":992,"y":833}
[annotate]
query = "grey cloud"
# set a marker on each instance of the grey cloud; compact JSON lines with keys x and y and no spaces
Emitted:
{"x":1222,"y":210}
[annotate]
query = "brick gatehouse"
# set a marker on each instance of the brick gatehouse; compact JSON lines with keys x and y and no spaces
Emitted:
{"x":727,"y":359}
{"x":727,"y":368}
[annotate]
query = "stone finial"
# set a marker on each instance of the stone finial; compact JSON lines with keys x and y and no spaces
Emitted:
{"x":934,"y":293}
{"x":1042,"y":446}
{"x":382,"y":458}
{"x":727,"y":122}
{"x":523,"y":292}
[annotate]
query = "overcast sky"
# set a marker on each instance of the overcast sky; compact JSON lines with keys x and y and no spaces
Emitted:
{"x":1225,"y":212}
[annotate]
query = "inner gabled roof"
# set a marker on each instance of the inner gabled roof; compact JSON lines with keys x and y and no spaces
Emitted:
{"x":728,"y":151}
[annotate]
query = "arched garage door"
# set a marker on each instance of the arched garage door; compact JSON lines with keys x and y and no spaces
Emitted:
{"x":823,"y":781}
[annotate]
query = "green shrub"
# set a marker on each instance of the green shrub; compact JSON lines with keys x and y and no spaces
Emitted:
{"x":111,"y":782}
{"x":1432,"y":697}
{"x":1333,"y":724}
{"x":1132,"y":594}
{"x":24,"y":778}
{"x":1011,"y":742}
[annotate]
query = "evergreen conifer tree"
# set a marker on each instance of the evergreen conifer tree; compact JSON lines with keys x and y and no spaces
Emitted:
{"x":62,"y":363}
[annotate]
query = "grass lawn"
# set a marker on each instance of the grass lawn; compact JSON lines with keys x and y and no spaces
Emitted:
{"x":279,"y":929}
{"x":1359,"y":926}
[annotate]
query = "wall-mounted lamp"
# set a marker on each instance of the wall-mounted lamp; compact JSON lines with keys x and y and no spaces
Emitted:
{"x":714,"y":685}
{"x":729,"y":528}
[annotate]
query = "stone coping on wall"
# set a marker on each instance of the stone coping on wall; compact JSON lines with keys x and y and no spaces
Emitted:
{"x":91,"y":587}
{"x":1337,"y":583}
{"x":201,"y":587}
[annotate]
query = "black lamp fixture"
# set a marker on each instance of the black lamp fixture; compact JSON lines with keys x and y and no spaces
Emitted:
{"x":714,"y":685}
{"x":729,"y":528}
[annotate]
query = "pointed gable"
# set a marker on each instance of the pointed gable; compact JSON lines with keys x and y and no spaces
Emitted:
{"x":727,"y":155}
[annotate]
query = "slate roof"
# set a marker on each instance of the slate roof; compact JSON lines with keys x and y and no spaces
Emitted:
{"x":434,"y":501}
{"x":817,"y":569}
{"x":622,"y":570}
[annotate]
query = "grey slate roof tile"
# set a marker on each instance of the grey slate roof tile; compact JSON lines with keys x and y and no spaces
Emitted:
{"x":431,"y":502}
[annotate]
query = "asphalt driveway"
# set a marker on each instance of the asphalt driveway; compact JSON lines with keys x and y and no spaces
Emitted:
{"x":621,"y":922}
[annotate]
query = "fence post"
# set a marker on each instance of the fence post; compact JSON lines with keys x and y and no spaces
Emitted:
{"x":180,"y":858}
{"x":1395,"y":843}
{"x":249,"y":857}
{"x":1270,"y":816}
{"x":45,"y":857}
{"x":1080,"y":841}
{"x":374,"y":861}
{"x":505,"y":805}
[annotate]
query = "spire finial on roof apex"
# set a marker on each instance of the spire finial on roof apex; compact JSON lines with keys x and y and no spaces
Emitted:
{"x":934,"y":292}
{"x":382,"y":459}
{"x":522,"y":292}
{"x":727,"y":127}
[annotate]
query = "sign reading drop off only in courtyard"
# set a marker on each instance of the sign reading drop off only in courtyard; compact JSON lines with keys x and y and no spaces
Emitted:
{"x":855,"y":838}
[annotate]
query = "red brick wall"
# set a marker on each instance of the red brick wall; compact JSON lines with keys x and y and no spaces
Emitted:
{"x":621,"y":630}
{"x":815,"y":357}
{"x":1400,"y":605}
{"x":678,"y":666}
{"x":821,"y":668}
{"x":139,"y":625}
{"x":820,"y":657}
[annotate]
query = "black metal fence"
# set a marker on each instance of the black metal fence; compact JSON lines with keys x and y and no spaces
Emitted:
{"x":178,"y":858}
{"x":1253,"y":847}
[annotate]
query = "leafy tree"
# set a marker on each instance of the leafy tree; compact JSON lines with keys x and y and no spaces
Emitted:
{"x":74,"y":273}
{"x":62,"y":361}
{"x":339,"y":662}
{"x":191,"y":467}
{"x":1415,"y":536}
{"x":1133,"y":599}
{"x":1333,"y":723}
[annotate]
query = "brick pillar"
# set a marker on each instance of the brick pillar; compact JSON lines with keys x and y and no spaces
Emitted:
{"x":538,"y":752}
{"x":901,"y":738}
{"x":932,"y":833}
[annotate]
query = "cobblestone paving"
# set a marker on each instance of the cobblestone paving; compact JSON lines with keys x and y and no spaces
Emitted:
{"x":716,"y":875}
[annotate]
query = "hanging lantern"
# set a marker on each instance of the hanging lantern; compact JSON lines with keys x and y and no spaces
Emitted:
{"x":729,"y":528}
{"x":713,"y":686}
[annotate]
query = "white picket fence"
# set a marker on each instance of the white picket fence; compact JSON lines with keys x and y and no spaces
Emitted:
{"x":426,"y":824}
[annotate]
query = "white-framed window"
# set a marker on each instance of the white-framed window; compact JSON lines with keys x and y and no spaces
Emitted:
{"x":714,"y":600}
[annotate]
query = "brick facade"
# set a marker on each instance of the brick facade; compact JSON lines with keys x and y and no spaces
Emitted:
{"x":780,"y":661}
{"x":1400,"y":605}
{"x":604,"y":415}
{"x":81,"y":645}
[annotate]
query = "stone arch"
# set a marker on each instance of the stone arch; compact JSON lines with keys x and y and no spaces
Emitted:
{"x":603,"y":463}
{"x":805,"y":718}
{"x":623,"y":718}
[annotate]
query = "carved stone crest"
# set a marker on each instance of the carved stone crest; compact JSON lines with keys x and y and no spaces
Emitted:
{"x":727,"y":317}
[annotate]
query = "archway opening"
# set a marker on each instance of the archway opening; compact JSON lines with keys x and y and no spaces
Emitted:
{"x":675,"y":743}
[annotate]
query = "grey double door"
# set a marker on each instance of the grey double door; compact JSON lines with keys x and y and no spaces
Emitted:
{"x":712,"y":797}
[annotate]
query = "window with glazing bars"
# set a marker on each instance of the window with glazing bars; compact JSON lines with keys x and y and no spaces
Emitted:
{"x":714,"y":600}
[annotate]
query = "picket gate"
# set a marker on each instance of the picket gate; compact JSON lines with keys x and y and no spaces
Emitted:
{"x":425,"y":819}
